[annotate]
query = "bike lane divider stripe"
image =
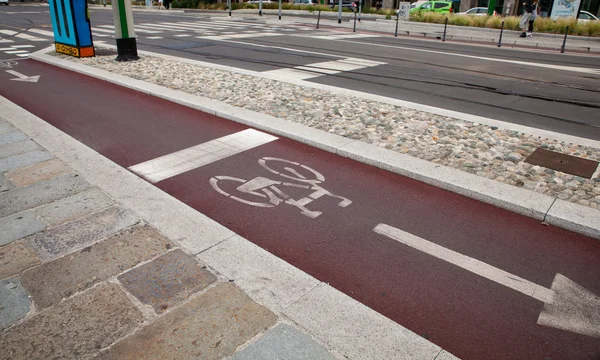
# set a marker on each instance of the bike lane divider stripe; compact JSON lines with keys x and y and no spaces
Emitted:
{"x":206,"y":153}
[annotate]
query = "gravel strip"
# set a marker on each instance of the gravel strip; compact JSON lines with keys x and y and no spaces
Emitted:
{"x":474,"y":148}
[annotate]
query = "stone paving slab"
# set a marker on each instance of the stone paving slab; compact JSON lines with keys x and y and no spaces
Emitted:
{"x":14,"y":303}
{"x":74,"y":206}
{"x":74,"y":329}
{"x":6,"y":127}
{"x":17,"y":148}
{"x":11,"y":137}
{"x":18,"y":226}
{"x":21,"y":160}
{"x":15,"y":258}
{"x":284,"y":342}
{"x":49,"y":283}
{"x":210,"y":326}
{"x":20,"y":199}
{"x":5,"y":184}
{"x":37,"y":172}
{"x":80,"y":233}
{"x":167,"y":281}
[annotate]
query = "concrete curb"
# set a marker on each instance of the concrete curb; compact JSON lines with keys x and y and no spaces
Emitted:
{"x":566,"y":215}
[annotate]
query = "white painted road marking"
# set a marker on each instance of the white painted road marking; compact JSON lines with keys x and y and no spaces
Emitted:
{"x":268,"y":193}
{"x":194,"y":157}
{"x":324,"y":68}
{"x":568,"y":306}
{"x":21,"y":77}
{"x":528,"y":63}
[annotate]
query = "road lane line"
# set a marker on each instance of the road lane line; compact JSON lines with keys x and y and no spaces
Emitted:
{"x":478,"y":267}
{"x":206,"y":153}
{"x":309,"y":71}
{"x":41,"y":32}
{"x":517,"y":62}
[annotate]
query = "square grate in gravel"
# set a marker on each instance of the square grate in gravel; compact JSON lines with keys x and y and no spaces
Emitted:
{"x":561,"y":162}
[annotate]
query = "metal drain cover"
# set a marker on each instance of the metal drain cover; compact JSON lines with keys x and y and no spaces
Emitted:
{"x":561,"y":162}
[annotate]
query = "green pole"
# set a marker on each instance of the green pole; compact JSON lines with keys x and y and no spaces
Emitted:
{"x":491,"y":6}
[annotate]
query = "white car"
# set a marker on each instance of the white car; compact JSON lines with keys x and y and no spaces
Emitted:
{"x":477,"y":11}
{"x":417,"y":3}
{"x":258,"y":1}
{"x":584,"y":16}
{"x":4,"y":1}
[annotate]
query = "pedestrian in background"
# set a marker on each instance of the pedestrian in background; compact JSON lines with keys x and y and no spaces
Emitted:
{"x":167,"y":4}
{"x":524,"y":22}
{"x":535,"y":11}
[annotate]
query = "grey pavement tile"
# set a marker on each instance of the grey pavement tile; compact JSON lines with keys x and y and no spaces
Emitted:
{"x":167,"y":281}
{"x":6,"y":127}
{"x":5,"y":184}
{"x":21,"y":160}
{"x":14,"y":258}
{"x":79,"y":233}
{"x":17,"y":200}
{"x":49,"y":283}
{"x":284,"y":342}
{"x":11,"y":137}
{"x":14,"y":303}
{"x":41,"y":171}
{"x":17,"y":148}
{"x":210,"y":326}
{"x":74,"y":206}
{"x":17,"y":226}
{"x":74,"y":329}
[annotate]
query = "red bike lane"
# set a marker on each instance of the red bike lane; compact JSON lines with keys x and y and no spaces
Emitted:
{"x":467,"y":314}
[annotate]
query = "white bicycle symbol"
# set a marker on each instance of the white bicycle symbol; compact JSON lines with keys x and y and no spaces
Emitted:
{"x":267,"y":193}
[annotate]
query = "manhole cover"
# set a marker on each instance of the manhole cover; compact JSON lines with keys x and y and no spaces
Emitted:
{"x":566,"y":163}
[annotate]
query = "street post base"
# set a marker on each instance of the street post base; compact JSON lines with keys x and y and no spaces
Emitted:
{"x":127,"y":50}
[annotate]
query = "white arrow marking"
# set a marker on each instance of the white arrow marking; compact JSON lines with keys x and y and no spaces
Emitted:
{"x":22,"y":77}
{"x":568,"y":306}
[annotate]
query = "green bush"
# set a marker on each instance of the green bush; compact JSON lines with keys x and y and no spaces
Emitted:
{"x":462,"y":20}
{"x":186,"y":4}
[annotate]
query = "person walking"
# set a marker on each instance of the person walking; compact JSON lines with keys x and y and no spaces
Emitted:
{"x":535,"y":12}
{"x":524,"y":22}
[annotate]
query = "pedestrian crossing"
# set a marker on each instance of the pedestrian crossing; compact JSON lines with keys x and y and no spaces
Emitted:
{"x":204,"y":29}
{"x":22,"y":43}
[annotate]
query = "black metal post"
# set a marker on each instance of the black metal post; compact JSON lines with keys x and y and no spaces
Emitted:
{"x":501,"y":31}
{"x":318,"y":19}
{"x":397,"y":18}
{"x":445,"y":26}
{"x":562,"y":49}
{"x":354,"y":21}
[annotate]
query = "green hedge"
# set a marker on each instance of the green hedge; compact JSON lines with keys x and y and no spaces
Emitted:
{"x":542,"y":25}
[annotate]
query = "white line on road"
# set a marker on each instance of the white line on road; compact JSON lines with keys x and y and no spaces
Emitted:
{"x":324,"y":68}
{"x":22,"y":46}
{"x":478,"y":267}
{"x":41,"y":32}
{"x":567,"y":305}
{"x":194,"y":157}
{"x":528,"y":63}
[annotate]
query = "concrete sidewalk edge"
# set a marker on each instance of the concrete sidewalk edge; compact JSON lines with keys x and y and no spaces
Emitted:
{"x":563,"y":214}
{"x":291,"y":293}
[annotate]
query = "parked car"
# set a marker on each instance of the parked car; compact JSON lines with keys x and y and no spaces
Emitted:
{"x":306,"y":2}
{"x":416,"y":3}
{"x":476,"y":11}
{"x":442,"y":7}
{"x":4,"y":1}
{"x":585,"y":16}
{"x":258,"y":1}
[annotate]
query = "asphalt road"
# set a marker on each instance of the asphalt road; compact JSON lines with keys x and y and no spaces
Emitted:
{"x":323,"y":213}
{"x":517,"y":86}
